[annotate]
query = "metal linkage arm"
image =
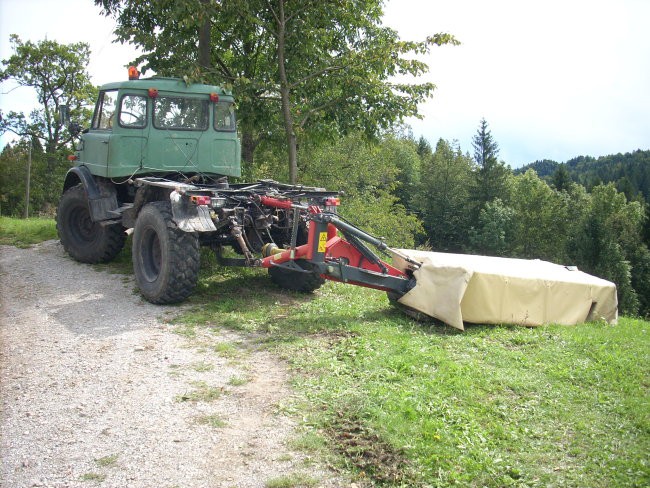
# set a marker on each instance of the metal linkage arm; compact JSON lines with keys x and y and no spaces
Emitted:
{"x":338,"y":259}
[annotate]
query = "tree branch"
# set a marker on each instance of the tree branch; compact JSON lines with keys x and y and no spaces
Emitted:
{"x":314,"y":75}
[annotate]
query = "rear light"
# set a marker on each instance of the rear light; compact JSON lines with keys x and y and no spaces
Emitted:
{"x":72,"y":157}
{"x":200,"y":199}
{"x":153,"y":93}
{"x":332,"y":202}
{"x":214,"y":97}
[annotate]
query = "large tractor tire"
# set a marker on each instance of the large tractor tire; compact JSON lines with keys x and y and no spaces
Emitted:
{"x":296,"y":280}
{"x":83,"y":239}
{"x":166,"y":260}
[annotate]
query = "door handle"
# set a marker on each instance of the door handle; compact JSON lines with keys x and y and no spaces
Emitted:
{"x":104,"y":142}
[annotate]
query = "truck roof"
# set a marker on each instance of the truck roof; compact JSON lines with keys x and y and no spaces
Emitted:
{"x":177,"y":85}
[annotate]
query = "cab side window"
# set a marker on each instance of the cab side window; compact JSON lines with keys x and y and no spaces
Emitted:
{"x":224,"y":117}
{"x":133,"y":111}
{"x":105,"y":110}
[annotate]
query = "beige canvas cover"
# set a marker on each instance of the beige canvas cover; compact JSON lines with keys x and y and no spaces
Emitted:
{"x":457,"y":288}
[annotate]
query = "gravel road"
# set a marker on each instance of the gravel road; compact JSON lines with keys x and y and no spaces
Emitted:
{"x":97,"y":390}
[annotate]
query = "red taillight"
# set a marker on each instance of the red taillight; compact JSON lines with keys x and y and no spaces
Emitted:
{"x":153,"y":93}
{"x":333,"y":202}
{"x":134,"y":74}
{"x":72,"y":157}
{"x":214,"y":97}
{"x":200,"y":199}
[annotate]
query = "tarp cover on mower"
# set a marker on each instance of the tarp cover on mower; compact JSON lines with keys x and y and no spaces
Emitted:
{"x":457,"y":288}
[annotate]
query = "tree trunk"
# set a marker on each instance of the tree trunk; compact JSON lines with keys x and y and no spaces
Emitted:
{"x":204,"y":38}
{"x":285,"y":97}
{"x":248,"y":145}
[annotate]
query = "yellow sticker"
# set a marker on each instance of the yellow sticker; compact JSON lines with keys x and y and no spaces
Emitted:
{"x":322,"y":242}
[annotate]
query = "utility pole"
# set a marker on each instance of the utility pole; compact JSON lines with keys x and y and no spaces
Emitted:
{"x":29,"y":173}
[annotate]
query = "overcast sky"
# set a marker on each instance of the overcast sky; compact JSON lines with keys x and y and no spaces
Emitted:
{"x":554,"y":79}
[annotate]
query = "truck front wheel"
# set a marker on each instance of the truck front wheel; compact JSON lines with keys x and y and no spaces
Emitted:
{"x":166,"y":260}
{"x":85,"y":240}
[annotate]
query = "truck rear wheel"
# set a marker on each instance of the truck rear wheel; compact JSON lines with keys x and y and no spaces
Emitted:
{"x":83,"y":239}
{"x":166,"y":260}
{"x":296,"y":280}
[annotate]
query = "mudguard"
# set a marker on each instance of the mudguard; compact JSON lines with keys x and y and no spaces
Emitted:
{"x":102,"y":198}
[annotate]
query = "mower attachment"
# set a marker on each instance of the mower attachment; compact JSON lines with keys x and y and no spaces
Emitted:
{"x":345,"y":259}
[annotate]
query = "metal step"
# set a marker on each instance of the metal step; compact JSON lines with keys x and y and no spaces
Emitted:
{"x":119,"y":211}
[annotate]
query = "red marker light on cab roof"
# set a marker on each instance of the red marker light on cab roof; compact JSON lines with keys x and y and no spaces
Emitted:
{"x":153,"y":93}
{"x":134,"y":74}
{"x":214,"y":97}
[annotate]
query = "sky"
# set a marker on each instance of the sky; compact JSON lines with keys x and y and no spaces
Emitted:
{"x":554,"y":79}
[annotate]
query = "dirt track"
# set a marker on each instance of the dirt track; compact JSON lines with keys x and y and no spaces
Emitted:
{"x":96,"y":390}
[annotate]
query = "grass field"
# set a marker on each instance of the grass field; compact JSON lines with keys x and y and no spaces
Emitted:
{"x":402,"y":403}
{"x":399,"y":403}
{"x":25,"y":232}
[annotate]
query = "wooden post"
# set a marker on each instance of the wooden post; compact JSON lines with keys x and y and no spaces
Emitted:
{"x":29,"y":173}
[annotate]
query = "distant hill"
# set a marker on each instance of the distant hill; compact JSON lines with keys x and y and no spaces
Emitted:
{"x":630,"y":171}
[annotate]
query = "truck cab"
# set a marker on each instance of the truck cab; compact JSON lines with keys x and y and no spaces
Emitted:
{"x":160,"y":126}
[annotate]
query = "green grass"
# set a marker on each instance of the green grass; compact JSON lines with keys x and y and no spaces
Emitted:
{"x":214,"y":420}
{"x":294,"y":480}
{"x":25,"y":232}
{"x":107,"y":461}
{"x":238,"y":380}
{"x":96,"y":477}
{"x":407,"y":404}
{"x":202,"y":392}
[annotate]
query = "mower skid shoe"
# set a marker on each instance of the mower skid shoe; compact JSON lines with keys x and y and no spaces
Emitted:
{"x":290,"y":266}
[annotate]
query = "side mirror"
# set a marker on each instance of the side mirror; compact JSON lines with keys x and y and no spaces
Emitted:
{"x":64,"y":114}
{"x":64,"y":118}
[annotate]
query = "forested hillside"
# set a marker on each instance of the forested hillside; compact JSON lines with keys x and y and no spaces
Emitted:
{"x":630,"y":172}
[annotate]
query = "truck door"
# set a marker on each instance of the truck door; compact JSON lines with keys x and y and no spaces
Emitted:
{"x":225,"y":148}
{"x":128,"y":147}
{"x":96,"y":140}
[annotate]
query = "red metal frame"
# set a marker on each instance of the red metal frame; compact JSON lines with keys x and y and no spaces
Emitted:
{"x":336,"y":248}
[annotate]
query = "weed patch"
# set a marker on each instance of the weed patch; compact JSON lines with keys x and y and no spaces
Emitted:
{"x":212,"y":420}
{"x":96,"y":477}
{"x":202,"y":393}
{"x":107,"y":461}
{"x":294,"y":480}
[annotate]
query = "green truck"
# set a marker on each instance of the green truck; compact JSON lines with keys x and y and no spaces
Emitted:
{"x":156,"y":162}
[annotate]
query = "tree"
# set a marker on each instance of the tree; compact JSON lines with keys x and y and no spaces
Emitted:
{"x":491,"y":174}
{"x":541,"y":220}
{"x":443,"y":196}
{"x":57,"y":72}
{"x":424,"y":148}
{"x":317,"y":69}
{"x":561,"y":180}
{"x":368,"y":173}
{"x":607,"y":237}
{"x":493,"y":234}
